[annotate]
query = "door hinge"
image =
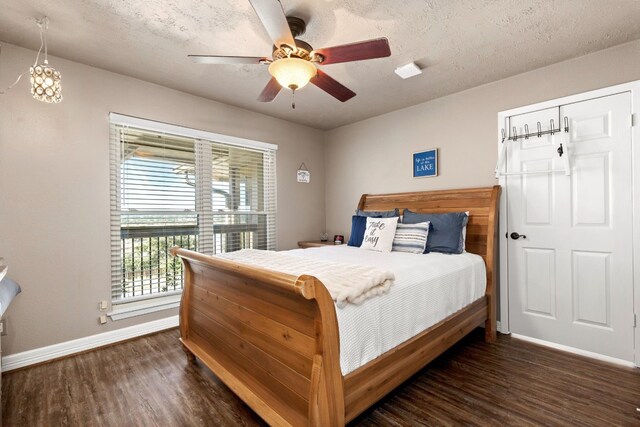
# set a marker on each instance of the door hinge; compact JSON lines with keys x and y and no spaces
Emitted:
{"x":635,"y":320}
{"x":633,"y":119}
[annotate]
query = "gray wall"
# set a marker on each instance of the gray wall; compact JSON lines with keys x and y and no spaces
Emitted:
{"x":54,"y":170}
{"x":54,"y":189}
{"x":375,"y":155}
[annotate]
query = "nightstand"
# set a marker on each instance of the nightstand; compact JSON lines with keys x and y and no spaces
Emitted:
{"x":314,"y":244}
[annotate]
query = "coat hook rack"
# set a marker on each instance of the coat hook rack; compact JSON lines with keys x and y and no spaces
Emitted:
{"x":526,"y":135}
{"x":561,"y":149}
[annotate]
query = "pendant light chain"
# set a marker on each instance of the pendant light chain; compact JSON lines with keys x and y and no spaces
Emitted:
{"x":39,"y":23}
{"x":45,"y":80}
{"x":42,"y":24}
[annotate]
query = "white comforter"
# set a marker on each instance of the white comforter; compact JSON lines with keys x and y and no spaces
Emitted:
{"x":427,"y":289}
{"x":347,"y":283}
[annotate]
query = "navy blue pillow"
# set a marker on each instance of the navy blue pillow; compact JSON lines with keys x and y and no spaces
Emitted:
{"x":445,"y":233}
{"x":358,"y":226}
{"x":379,"y":214}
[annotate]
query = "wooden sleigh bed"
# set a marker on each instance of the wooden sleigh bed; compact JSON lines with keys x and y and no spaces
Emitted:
{"x":273,"y":338}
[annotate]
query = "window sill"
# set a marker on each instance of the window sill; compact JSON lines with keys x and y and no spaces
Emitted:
{"x":138,"y":308}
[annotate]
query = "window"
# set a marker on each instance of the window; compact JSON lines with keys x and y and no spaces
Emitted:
{"x":176,"y":186}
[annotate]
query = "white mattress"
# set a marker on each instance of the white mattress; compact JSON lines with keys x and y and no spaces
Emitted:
{"x":427,"y":289}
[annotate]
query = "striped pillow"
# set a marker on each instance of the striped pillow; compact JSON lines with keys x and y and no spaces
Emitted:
{"x":411,"y":237}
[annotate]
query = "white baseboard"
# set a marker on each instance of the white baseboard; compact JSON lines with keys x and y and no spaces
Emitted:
{"x":42,"y":354}
{"x":574,"y":350}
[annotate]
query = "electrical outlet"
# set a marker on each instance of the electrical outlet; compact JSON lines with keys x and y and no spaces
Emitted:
{"x":103,"y":319}
{"x":103,"y":306}
{"x":3,"y":327}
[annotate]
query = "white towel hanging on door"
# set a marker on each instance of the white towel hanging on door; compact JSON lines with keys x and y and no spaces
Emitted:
{"x":501,"y":157}
{"x":557,"y":139}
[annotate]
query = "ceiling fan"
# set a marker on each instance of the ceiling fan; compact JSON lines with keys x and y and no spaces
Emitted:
{"x":292,"y":63}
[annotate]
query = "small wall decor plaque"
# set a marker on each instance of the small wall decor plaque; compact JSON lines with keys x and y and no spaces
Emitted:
{"x":425,"y":163}
{"x":303,"y":174}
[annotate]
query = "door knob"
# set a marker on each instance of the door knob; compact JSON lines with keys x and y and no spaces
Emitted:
{"x":516,"y":236}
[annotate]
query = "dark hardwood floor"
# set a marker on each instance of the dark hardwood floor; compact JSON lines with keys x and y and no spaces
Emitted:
{"x":148,"y":382}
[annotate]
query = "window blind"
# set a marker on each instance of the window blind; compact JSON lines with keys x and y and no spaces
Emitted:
{"x":169,"y":189}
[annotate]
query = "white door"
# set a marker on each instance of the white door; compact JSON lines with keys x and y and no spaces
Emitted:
{"x":570,"y":271}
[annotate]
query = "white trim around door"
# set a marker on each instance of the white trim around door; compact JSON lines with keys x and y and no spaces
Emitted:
{"x":634,"y":89}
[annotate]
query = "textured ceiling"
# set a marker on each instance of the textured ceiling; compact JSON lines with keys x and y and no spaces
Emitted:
{"x":459,"y":43}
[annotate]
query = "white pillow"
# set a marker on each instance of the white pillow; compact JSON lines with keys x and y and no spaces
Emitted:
{"x":379,"y":234}
{"x":411,"y":238}
{"x":464,"y":232}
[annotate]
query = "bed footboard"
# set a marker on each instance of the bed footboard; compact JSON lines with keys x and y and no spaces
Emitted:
{"x":271,"y":337}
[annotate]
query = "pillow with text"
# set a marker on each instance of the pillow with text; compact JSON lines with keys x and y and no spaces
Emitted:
{"x":379,"y":234}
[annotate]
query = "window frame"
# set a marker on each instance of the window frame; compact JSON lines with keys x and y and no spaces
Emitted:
{"x":135,"y":306}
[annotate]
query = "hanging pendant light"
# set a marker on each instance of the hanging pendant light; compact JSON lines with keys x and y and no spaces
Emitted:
{"x":45,"y":80}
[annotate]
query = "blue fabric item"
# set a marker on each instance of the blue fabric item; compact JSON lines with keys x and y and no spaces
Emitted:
{"x":358,"y":226}
{"x":445,"y":234}
{"x":378,"y":214}
{"x":8,"y":291}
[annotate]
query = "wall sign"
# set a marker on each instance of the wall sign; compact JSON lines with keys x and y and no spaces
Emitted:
{"x":425,"y":163}
{"x":303,"y":174}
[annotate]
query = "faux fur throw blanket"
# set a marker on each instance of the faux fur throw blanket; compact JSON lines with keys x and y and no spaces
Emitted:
{"x":347,"y":283}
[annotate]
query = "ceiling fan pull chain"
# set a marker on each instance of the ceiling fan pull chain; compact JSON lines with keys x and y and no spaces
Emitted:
{"x":293,"y":99}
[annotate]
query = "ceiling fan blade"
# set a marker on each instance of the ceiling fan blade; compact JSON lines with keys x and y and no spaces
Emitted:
{"x":332,"y":87}
{"x":219,"y":59}
{"x":274,"y":20}
{"x":270,"y":91}
{"x":369,"y":49}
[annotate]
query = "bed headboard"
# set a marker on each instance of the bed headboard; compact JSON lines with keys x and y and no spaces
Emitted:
{"x":482,"y":204}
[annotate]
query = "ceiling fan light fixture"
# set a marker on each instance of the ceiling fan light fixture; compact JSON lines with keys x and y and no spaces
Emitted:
{"x":292,"y":73}
{"x":293,"y":63}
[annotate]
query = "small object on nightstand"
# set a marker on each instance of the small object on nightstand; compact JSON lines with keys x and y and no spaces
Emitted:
{"x":338,"y":239}
{"x":324,"y":237}
{"x":304,"y":244}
